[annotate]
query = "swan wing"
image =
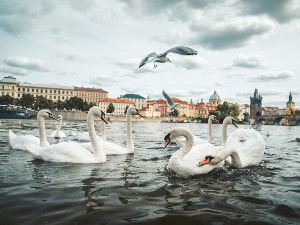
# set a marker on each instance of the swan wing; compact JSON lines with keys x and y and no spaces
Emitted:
{"x":19,"y":141}
{"x":252,"y":150}
{"x":108,"y":147}
{"x":11,"y":135}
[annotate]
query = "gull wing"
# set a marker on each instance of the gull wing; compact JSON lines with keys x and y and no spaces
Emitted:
{"x":146,"y":59}
{"x":168,"y":99}
{"x":181,"y":50}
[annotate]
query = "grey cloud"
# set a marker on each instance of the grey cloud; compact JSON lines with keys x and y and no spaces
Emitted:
{"x":197,"y":91}
{"x":190,"y":62}
{"x":130,"y":89}
{"x":67,"y":56}
{"x":16,"y":25}
{"x":82,"y":6}
{"x":281,"y":11}
{"x":250,"y":62}
{"x":273,"y":76}
{"x":104,"y":81}
{"x":26,"y":63}
{"x":47,"y":7}
{"x":230,"y":35}
{"x":13,"y":70}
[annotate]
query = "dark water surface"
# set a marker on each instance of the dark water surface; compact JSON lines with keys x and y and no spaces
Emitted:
{"x":137,"y":188}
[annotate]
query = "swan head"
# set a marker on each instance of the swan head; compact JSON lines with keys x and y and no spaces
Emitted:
{"x":134,"y":111}
{"x":210,"y":159}
{"x":214,"y":118}
{"x":167,"y":140}
{"x":59,"y":117}
{"x":175,"y":133}
{"x":46,"y":113}
{"x":98,"y":112}
{"x":230,"y":120}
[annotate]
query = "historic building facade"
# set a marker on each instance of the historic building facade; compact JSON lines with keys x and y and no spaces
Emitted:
{"x":290,"y":103}
{"x":138,"y":100}
{"x":120,"y":105}
{"x":90,"y":94}
{"x":255,"y":104}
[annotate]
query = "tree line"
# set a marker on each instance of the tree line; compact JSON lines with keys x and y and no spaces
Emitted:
{"x":40,"y":102}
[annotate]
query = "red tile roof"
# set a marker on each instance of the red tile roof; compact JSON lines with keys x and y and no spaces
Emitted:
{"x":118,"y":100}
{"x":177,"y":100}
{"x":89,"y":89}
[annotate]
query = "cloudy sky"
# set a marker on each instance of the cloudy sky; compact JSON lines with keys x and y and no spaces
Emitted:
{"x":241,"y":44}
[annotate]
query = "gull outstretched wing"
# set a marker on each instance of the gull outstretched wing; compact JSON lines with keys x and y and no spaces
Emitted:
{"x":168,"y":99}
{"x":181,"y":50}
{"x":147,"y":59}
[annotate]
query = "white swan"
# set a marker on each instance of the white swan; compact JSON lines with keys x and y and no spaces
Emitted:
{"x":180,"y":141}
{"x":185,"y":161}
{"x":72,"y":152}
{"x":17,"y":142}
{"x":112,"y":148}
{"x":58,"y":133}
{"x":251,"y":151}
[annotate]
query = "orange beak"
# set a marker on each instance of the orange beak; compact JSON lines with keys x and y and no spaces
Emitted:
{"x":205,"y":161}
{"x":103,"y":118}
{"x":167,"y":142}
{"x":217,"y":120}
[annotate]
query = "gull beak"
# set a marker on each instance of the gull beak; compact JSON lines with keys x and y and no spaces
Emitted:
{"x":205,"y":161}
{"x":167,"y":141}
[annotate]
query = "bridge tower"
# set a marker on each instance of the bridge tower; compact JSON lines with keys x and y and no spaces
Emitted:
{"x":255,"y":104}
{"x":290,"y":103}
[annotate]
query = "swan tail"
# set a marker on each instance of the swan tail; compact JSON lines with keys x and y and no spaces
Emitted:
{"x":11,"y":135}
{"x":34,"y":150}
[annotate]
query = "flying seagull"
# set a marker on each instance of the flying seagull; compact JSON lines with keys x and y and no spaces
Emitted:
{"x":162,"y":58}
{"x":171,"y":104}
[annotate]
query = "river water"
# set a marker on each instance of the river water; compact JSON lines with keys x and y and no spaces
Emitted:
{"x":137,"y":188}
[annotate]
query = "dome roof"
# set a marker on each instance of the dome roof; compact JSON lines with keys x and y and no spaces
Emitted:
{"x":215,"y":96}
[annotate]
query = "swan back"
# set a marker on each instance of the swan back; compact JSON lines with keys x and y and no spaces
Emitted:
{"x":252,"y":150}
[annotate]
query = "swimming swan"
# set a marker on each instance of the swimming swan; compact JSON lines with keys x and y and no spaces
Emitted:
{"x":112,"y":148}
{"x":72,"y":152}
{"x":17,"y":142}
{"x":180,"y":141}
{"x":58,"y":133}
{"x":185,"y":161}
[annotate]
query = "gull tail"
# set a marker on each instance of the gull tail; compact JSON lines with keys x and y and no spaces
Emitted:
{"x":34,"y":150}
{"x":11,"y":135}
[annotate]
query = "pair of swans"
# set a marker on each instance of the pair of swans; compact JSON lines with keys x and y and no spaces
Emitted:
{"x":180,"y":141}
{"x":75,"y":153}
{"x":17,"y":142}
{"x":192,"y":159}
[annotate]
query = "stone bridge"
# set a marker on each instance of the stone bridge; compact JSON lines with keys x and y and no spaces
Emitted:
{"x":293,"y":119}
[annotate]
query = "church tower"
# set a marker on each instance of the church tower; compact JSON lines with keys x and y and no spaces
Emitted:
{"x":255,"y":104}
{"x":290,"y":103}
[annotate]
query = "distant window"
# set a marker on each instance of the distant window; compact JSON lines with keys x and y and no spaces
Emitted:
{"x":59,"y":97}
{"x":37,"y":90}
{"x":23,"y":89}
{"x":50,"y":91}
{"x":13,"y":87}
{"x":18,"y":95}
{"x":19,"y":89}
{"x":41,"y":90}
{"x":32,"y":90}
{"x":27,"y":89}
{"x":2,"y":86}
{"x":63,"y":97}
{"x":67,"y":92}
{"x":54,"y":91}
{"x":50,"y":96}
{"x":63,"y":92}
{"x":59,"y":92}
{"x":46,"y":91}
{"x":71,"y":92}
{"x":54,"y":96}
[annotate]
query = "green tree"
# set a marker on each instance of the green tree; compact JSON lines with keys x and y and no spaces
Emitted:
{"x":175,"y":113}
{"x":246,"y":117}
{"x":227,"y":109}
{"x":110,"y":108}
{"x":59,"y":105}
{"x":216,"y":113}
{"x":297,"y":111}
{"x":6,"y":100}
{"x":126,"y":109}
{"x":74,"y":103}
{"x":41,"y":102}
{"x":27,"y":100}
{"x":87,"y":106}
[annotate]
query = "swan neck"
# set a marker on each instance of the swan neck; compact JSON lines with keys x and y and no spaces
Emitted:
{"x":42,"y":131}
{"x":224,"y":133}
{"x":235,"y":158}
{"x":209,"y":130}
{"x":103,"y":131}
{"x":130,"y":145}
{"x":92,"y":135}
{"x":58,"y":128}
{"x":189,"y":142}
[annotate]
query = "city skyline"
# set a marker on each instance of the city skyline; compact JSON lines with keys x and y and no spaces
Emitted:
{"x":241,"y":46}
